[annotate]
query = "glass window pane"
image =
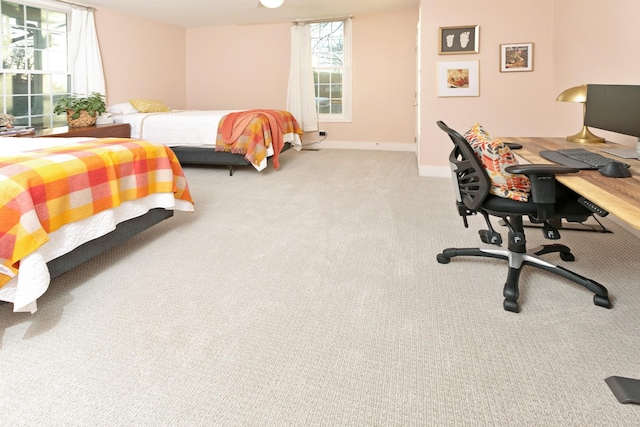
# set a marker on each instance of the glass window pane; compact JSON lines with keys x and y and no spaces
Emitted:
{"x":323,"y":105}
{"x":6,"y":35}
{"x":40,"y":121}
{"x":34,"y":17}
{"x":36,"y":84}
{"x":60,"y":83}
{"x":13,"y":58}
{"x":327,"y":46}
{"x":19,"y":83}
{"x":56,"y":21}
{"x":57,"y":41}
{"x":37,"y":105}
{"x":12,"y":13}
{"x":323,"y":91}
{"x":33,"y":40}
{"x":18,"y":105}
{"x":56,"y":61}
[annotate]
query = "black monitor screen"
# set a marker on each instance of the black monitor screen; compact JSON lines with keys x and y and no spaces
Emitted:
{"x":615,"y":108}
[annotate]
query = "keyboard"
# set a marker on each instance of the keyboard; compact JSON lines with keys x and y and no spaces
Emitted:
{"x":594,"y":160}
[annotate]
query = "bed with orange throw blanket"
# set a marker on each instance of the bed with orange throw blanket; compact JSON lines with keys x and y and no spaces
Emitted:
{"x":195,"y":136}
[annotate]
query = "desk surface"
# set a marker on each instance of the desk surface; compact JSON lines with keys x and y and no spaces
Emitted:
{"x":619,"y":196}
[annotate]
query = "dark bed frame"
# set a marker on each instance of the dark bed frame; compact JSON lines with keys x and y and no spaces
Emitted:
{"x":209,"y":156}
{"x":93,"y":248}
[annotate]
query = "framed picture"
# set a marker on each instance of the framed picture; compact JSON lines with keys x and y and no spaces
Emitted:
{"x":516,"y":57}
{"x":458,"y":78}
{"x":464,"y":39}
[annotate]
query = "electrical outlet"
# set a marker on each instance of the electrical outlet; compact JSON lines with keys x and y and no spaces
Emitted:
{"x":322,"y":133}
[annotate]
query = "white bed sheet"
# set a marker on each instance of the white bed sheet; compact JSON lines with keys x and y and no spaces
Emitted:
{"x":33,"y":278}
{"x":190,"y":128}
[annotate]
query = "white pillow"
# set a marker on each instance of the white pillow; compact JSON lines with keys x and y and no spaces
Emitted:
{"x":123,"y":108}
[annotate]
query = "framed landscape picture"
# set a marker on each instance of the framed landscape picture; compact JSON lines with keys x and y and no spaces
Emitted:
{"x":516,"y":57}
{"x":463,"y":39}
{"x":458,"y":78}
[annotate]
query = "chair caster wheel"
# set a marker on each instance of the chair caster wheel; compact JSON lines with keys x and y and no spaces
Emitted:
{"x":601,"y":301}
{"x":567,"y":256}
{"x":511,"y":305}
{"x":442,"y":259}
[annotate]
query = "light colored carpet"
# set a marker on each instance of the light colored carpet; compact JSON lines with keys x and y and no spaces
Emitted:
{"x":311,"y":296}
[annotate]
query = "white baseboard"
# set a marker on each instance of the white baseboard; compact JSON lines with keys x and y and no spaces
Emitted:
{"x":434,"y":171}
{"x":360,"y":145}
{"x":624,"y":225}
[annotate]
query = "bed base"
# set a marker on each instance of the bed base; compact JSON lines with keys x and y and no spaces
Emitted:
{"x":209,"y":156}
{"x":93,"y":248}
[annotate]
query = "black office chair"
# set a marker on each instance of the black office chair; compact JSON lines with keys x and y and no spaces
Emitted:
{"x":548,"y":201}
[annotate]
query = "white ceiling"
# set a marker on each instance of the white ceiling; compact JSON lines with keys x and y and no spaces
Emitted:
{"x":206,"y":13}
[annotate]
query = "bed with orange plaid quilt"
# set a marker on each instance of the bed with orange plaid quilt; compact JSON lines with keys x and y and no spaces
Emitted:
{"x":44,"y":190}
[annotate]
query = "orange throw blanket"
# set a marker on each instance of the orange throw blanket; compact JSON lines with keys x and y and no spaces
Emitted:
{"x":251,"y":132}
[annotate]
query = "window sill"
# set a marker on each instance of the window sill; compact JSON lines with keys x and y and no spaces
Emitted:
{"x":334,"y":120}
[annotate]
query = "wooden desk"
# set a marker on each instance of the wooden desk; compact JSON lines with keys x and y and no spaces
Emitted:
{"x":619,"y":196}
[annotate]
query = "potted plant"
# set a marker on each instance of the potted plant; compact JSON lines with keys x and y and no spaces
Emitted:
{"x":81,"y":110}
{"x":6,"y":121}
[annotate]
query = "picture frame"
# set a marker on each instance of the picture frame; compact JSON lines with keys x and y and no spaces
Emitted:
{"x":516,"y":57}
{"x":458,"y":78}
{"x":461,"y":39}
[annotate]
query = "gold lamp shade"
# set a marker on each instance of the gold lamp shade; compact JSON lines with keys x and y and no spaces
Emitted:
{"x":579,"y":94}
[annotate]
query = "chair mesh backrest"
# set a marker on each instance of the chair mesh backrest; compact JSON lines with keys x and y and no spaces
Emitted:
{"x":471,"y":181}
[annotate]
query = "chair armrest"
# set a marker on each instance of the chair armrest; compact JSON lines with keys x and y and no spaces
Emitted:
{"x":540,"y":169}
{"x":543,"y":183}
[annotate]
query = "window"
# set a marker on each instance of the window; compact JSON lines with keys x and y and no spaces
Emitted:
{"x":331,"y":60}
{"x":35,"y":70}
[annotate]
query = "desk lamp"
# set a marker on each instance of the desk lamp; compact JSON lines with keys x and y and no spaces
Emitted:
{"x":579,"y":94}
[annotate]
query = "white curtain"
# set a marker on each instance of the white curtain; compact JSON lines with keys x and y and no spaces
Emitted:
{"x":87,"y":75}
{"x":301,"y":100}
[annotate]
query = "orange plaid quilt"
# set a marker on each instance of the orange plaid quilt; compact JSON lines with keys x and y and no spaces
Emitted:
{"x":43,"y":190}
{"x":252,"y":132}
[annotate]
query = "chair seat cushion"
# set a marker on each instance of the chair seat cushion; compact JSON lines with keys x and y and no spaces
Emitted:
{"x":566,"y":206}
{"x":495,"y":157}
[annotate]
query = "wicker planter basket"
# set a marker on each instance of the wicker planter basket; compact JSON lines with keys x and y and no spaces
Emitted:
{"x":84,"y":120}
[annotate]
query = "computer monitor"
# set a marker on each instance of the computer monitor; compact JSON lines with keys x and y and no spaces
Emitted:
{"x":615,"y":108}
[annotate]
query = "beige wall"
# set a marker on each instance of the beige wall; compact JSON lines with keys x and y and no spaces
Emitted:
{"x":142,"y":59}
{"x":594,"y":43}
{"x":247,"y":66}
{"x":237,"y":67}
{"x":384,"y":76}
{"x":517,"y":103}
{"x":576,"y":41}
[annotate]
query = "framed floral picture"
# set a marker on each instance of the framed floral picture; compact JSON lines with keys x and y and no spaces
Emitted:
{"x":458,"y":78}
{"x":463,"y":39}
{"x":516,"y":57}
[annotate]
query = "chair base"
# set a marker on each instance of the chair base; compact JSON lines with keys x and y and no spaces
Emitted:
{"x":518,"y":260}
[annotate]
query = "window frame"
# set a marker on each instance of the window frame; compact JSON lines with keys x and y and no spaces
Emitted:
{"x":47,"y":118}
{"x":346,"y":115}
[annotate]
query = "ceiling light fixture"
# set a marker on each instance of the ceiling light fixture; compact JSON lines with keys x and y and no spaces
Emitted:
{"x":272,"y":4}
